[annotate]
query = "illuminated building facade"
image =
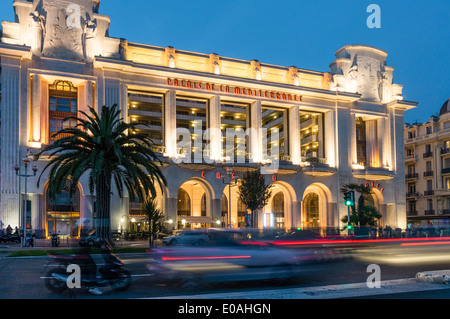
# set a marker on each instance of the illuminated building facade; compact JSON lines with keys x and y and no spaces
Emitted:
{"x":427,"y":170}
{"x":310,"y":132}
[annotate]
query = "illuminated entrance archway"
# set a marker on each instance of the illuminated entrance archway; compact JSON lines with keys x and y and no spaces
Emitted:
{"x":62,"y":213}
{"x":315,"y":202}
{"x":280,"y":210}
{"x":194,"y":204}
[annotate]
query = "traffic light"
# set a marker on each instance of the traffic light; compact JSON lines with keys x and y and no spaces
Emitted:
{"x":349,"y":227}
{"x":349,"y":198}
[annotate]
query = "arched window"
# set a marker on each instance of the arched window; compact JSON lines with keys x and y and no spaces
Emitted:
{"x":311,"y":204}
{"x":184,"y":203}
{"x":278,"y":209}
{"x":62,"y":103}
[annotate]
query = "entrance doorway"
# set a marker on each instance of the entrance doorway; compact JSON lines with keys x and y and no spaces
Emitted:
{"x":63,"y":213}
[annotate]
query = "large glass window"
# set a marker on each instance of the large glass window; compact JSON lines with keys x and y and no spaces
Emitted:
{"x":361,"y":141}
{"x":312,"y":210}
{"x":274,"y":126}
{"x":311,"y":135}
{"x":146,"y":108}
{"x":63,"y":103}
{"x":278,"y":209}
{"x":191,"y":115}
{"x":233,"y":125}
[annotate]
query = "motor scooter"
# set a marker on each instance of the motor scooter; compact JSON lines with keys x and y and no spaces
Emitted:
{"x":112,"y":273}
{"x":55,"y":239}
{"x":29,"y":241}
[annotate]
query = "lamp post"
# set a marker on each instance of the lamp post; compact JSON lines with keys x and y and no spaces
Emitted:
{"x":227,"y":180}
{"x":26,"y":162}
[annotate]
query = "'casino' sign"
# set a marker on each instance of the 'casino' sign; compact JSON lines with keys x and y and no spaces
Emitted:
{"x":242,"y":91}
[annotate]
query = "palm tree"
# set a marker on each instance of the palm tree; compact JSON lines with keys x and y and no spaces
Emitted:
{"x":102,"y":146}
{"x":155,"y":218}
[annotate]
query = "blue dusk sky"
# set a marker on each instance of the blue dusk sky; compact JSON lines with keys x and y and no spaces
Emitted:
{"x":303,"y":33}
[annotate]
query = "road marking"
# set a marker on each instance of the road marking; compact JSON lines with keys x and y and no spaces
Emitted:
{"x":322,"y":292}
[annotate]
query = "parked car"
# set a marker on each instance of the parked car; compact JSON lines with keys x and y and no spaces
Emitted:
{"x":189,"y":237}
{"x":88,"y":239}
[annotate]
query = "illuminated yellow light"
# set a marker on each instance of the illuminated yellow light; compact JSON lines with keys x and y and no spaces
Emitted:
{"x":34,"y":144}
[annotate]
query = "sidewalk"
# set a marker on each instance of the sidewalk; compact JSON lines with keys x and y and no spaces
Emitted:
{"x":45,"y":244}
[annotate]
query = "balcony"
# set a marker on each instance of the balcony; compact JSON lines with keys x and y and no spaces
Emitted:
{"x":318,"y":167}
{"x":371,"y":171}
{"x":429,"y":212}
{"x":410,"y":158}
{"x":411,"y":175}
{"x":416,"y":194}
{"x":446,"y":212}
{"x":428,"y":193}
{"x":429,"y":173}
{"x":427,"y":154}
{"x":446,"y":170}
{"x":412,"y":213}
{"x":280,"y":164}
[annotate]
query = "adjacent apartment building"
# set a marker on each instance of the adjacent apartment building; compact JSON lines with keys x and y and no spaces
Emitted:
{"x":427,"y":170}
{"x":309,"y":131}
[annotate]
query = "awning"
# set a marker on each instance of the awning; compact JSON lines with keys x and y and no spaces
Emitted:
{"x":196,"y":219}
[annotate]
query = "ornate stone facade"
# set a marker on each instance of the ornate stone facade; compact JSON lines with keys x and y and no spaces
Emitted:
{"x":333,"y":128}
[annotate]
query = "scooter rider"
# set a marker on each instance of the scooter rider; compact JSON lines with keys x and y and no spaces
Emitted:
{"x":90,"y":266}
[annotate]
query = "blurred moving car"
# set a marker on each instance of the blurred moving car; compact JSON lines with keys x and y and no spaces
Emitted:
{"x":228,"y":256}
{"x":188,"y":237}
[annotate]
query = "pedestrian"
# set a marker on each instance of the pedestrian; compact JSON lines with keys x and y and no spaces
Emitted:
{"x":8,"y":230}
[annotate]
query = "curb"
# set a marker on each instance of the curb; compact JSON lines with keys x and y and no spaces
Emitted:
{"x":441,"y":277}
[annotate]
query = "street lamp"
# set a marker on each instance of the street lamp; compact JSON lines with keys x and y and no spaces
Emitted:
{"x":26,"y":162}
{"x":227,"y":180}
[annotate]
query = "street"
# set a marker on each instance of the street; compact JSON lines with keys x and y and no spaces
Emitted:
{"x":22,"y":278}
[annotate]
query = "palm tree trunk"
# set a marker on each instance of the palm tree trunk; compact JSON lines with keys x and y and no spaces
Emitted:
{"x":150,"y":234}
{"x":103,"y":228}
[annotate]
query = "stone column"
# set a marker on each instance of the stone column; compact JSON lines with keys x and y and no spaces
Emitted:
{"x":330,"y":139}
{"x":10,"y":142}
{"x":124,"y":102}
{"x":382,"y":141}
{"x":354,"y":152}
{"x":112,"y":93}
{"x":171,"y":212}
{"x":213,"y":126}
{"x":85,"y":97}
{"x":36,"y":108}
{"x":294,"y":135}
{"x":255,"y":131}
{"x":216,"y":210}
{"x":372,"y":143}
{"x":296,"y":214}
{"x":170,"y":123}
